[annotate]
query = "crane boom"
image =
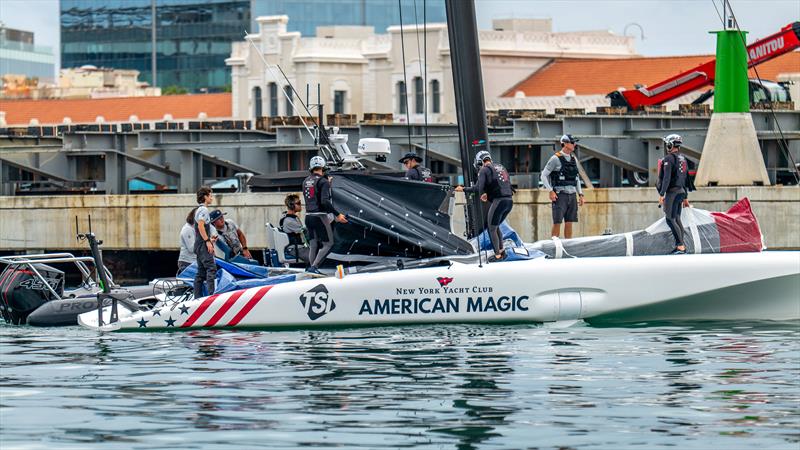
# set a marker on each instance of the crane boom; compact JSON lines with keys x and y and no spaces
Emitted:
{"x":762,"y":50}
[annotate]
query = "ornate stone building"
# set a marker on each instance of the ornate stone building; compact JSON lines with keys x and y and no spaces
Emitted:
{"x":362,"y":72}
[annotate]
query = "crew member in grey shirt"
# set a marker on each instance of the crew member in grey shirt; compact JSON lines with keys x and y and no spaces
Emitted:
{"x":187,"y":256}
{"x":560,"y":178}
{"x":204,"y":245}
{"x":293,"y":227}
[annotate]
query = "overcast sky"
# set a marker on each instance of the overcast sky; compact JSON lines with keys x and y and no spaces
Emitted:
{"x":671,"y":27}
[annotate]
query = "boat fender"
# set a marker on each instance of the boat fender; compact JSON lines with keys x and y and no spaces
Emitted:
{"x":628,"y":244}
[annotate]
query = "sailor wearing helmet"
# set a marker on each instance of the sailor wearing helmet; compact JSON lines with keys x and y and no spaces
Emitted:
{"x":319,"y":211}
{"x":493,"y":186}
{"x":673,"y":188}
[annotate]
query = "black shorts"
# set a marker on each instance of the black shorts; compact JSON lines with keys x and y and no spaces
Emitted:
{"x":565,"y":208}
{"x":316,"y":227}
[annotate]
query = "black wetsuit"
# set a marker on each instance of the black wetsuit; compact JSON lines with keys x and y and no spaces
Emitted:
{"x":672,"y":181}
{"x":493,"y":180}
{"x":419,"y":173}
{"x":319,"y":208}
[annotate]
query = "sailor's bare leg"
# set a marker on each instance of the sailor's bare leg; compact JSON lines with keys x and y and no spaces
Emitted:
{"x":567,"y":230}
{"x":556,"y":231}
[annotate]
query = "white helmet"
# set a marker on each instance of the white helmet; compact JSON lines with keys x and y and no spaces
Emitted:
{"x":317,"y":162}
{"x":480,"y":157}
{"x":672,"y":141}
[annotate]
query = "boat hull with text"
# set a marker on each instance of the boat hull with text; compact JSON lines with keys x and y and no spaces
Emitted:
{"x":737,"y":286}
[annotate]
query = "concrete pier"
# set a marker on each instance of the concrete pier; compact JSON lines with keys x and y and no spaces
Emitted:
{"x":152,"y":222}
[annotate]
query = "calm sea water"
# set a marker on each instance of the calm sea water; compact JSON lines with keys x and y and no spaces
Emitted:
{"x":725,"y":386}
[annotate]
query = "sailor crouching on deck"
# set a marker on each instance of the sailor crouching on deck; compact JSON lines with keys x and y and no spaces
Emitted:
{"x":560,"y":178}
{"x":231,"y":239}
{"x":204,"y":244}
{"x":414,"y":168}
{"x":493,"y":186}
{"x":673,"y":189}
{"x":320,"y":213}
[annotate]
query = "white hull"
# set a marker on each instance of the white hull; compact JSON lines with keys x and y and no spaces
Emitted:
{"x":733,"y":286}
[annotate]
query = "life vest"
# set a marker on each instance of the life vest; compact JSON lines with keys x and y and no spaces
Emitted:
{"x":568,"y":174}
{"x":312,"y":193}
{"x":679,"y":177}
{"x":294,"y":238}
{"x":422,"y":174}
{"x":500,"y":185}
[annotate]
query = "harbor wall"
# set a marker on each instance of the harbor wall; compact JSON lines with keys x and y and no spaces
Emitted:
{"x":152,"y":222}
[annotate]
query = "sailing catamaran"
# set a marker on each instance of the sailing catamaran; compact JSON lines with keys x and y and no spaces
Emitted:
{"x":429,"y":274}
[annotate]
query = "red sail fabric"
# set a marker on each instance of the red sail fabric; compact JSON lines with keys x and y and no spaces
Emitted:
{"x":738,"y":229}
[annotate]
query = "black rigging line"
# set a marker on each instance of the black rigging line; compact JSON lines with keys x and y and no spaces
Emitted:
{"x":785,"y":145}
{"x":423,"y":72}
{"x":405,"y":76}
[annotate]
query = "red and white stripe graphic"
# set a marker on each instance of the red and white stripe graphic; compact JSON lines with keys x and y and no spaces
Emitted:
{"x":217,"y":307}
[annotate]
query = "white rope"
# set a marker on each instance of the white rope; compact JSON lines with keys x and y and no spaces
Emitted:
{"x":559,"y":247}
{"x":628,"y":244}
{"x":698,"y":246}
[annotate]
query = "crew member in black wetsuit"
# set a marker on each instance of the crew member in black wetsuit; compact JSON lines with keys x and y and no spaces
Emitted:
{"x":414,"y":168}
{"x":320,"y":213}
{"x":672,"y":189}
{"x":493,"y":186}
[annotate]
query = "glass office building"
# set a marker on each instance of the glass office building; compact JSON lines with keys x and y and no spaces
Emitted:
{"x":192,"y":38}
{"x":306,"y":15}
{"x":19,"y":55}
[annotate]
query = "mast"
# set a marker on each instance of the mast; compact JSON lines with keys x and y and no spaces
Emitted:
{"x":473,"y":135}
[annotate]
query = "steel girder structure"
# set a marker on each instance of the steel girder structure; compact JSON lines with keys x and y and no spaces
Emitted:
{"x":616,"y":149}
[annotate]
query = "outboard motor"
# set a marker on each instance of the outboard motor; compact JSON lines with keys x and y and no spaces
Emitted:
{"x":22,"y":291}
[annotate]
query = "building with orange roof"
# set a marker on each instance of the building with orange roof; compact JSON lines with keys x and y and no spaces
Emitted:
{"x":584,"y":83}
{"x":123,"y":109}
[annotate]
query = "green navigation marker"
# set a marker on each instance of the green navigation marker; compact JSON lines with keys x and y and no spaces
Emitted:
{"x":731,"y":90}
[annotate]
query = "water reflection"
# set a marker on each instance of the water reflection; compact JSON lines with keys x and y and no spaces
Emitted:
{"x":462,"y":387}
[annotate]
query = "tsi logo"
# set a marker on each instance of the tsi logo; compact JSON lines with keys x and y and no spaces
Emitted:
{"x":317,"y":303}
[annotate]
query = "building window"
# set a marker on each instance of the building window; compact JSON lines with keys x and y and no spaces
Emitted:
{"x":289,"y":99}
{"x":257,"y":101}
{"x":419,"y":96}
{"x":338,"y":101}
{"x":401,"y":97}
{"x":436,"y":107}
{"x":273,"y":99}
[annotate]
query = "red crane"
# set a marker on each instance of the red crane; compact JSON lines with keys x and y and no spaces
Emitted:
{"x":762,"y":50}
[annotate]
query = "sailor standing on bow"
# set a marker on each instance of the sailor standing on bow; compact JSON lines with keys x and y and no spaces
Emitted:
{"x":204,"y":244}
{"x":673,"y":188}
{"x":493,"y":186}
{"x":560,"y":178}
{"x":320,"y":213}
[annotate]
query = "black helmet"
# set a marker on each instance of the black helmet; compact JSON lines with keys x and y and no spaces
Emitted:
{"x":410,"y":155}
{"x":568,"y":139}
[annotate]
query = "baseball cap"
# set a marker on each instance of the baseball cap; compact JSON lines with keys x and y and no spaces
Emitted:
{"x":410,"y":155}
{"x":216,"y":214}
